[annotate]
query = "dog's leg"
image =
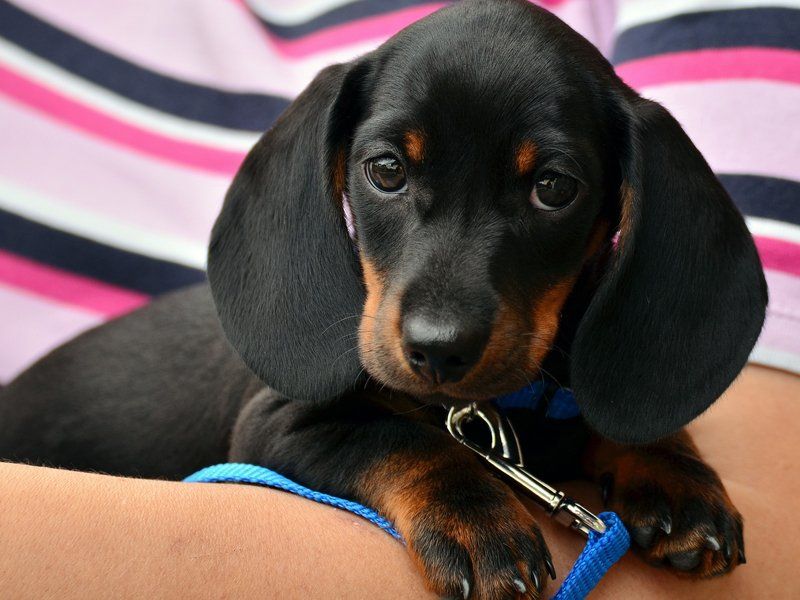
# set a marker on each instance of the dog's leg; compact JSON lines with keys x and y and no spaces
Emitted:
{"x":466,"y":530}
{"x":672,"y":502}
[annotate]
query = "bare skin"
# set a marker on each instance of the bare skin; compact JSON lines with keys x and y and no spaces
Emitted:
{"x":77,"y":535}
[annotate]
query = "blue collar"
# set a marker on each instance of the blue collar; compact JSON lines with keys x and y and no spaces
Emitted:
{"x":560,"y":401}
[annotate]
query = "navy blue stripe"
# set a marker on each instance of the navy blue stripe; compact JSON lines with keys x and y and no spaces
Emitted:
{"x":360,"y":9}
{"x":765,"y":197}
{"x":80,"y":255}
{"x":765,"y":27}
{"x":245,"y":111}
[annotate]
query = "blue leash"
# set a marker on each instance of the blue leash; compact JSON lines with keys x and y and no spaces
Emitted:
{"x":599,"y":554}
{"x":244,"y":473}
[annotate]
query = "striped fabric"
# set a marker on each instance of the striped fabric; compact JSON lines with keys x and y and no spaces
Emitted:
{"x":123,"y":123}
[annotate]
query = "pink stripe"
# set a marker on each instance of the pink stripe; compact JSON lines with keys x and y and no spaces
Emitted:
{"x":779,"y":255}
{"x":69,"y":288}
{"x":61,"y":107}
{"x":377,"y":28}
{"x":740,"y":126}
{"x":107,"y":181}
{"x":32,"y":326}
{"x":702,"y":65}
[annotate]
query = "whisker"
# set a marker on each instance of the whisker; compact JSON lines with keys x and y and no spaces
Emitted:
{"x":539,"y":338}
{"x":525,"y":377}
{"x":415,"y":409}
{"x":550,"y":375}
{"x":369,"y":378}
{"x":359,"y":374}
{"x":351,"y":335}
{"x":343,"y":354}
{"x":342,"y":320}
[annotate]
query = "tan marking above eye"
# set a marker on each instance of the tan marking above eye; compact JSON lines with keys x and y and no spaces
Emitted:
{"x":415,"y":145}
{"x":525,"y":158}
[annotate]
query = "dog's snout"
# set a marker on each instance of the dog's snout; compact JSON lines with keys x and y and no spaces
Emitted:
{"x":441,"y":350}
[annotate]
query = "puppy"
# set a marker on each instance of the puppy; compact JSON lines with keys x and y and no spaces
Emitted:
{"x":477,"y":204}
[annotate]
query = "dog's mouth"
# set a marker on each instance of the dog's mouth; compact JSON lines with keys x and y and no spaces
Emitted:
{"x":481,"y":387}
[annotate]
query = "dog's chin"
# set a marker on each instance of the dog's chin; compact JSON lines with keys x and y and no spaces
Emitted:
{"x":458,"y":393}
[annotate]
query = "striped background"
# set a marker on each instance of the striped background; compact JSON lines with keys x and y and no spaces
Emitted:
{"x":123,"y":122}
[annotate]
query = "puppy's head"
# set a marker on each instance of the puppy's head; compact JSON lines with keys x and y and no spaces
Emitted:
{"x":483,"y":160}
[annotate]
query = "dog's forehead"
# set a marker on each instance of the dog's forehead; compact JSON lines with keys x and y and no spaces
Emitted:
{"x":489,"y":69}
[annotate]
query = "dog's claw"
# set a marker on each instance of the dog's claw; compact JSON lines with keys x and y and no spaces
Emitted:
{"x":520,"y":586}
{"x":465,"y":588}
{"x":536,"y":581}
{"x":666,"y":524}
{"x":551,"y":570}
{"x":713,"y":543}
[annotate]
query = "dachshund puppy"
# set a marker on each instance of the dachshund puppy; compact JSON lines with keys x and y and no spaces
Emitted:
{"x":477,"y":204}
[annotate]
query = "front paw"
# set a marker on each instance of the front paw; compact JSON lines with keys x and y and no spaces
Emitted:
{"x":480,"y":545}
{"x":682,"y":520}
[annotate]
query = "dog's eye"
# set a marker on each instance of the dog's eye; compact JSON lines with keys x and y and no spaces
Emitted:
{"x":553,"y":191}
{"x":386,"y":174}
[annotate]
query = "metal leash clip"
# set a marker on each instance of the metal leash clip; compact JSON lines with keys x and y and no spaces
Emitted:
{"x":505,"y":455}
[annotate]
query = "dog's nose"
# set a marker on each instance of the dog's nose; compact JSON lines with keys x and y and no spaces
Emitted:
{"x":441,"y":350}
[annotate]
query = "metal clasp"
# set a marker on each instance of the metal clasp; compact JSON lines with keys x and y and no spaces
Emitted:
{"x":505,"y":455}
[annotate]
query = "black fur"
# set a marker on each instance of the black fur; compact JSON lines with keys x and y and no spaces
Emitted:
{"x":651,"y":333}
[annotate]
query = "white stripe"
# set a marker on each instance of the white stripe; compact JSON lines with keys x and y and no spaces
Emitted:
{"x":777,"y":359}
{"x":287,"y":13}
{"x":101,"y":229}
{"x":774,"y":229}
{"x":632,"y":13}
{"x":32,"y":67}
{"x":740,"y":126}
{"x":32,"y":326}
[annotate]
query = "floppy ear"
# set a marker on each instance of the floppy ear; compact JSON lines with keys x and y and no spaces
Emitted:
{"x":283,"y":273}
{"x":683,"y":301}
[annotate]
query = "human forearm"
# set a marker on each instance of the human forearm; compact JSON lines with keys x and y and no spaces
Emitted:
{"x":77,"y":535}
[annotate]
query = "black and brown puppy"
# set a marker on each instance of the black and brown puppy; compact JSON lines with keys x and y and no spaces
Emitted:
{"x":489,"y":156}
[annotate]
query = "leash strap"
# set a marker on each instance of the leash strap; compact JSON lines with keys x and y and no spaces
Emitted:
{"x":244,"y":473}
{"x":601,"y":552}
